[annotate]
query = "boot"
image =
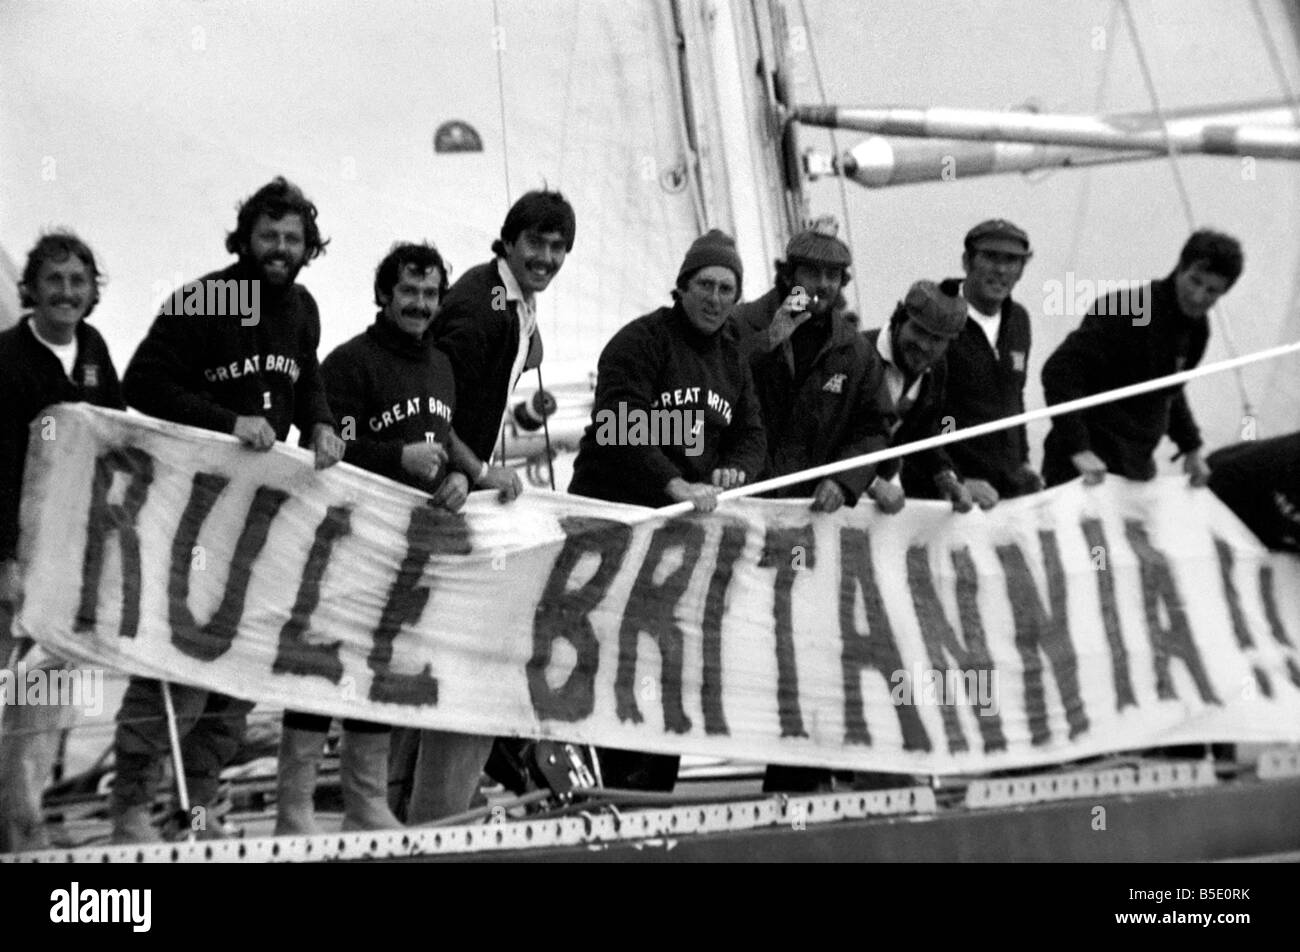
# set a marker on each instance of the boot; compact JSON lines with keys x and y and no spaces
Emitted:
{"x":132,"y":823}
{"x":301,"y":753}
{"x":363,"y":774}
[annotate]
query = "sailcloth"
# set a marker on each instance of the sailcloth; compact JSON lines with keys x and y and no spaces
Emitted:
{"x":1063,"y":625}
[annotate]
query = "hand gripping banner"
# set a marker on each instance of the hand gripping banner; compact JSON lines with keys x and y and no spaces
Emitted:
{"x":1062,"y":625}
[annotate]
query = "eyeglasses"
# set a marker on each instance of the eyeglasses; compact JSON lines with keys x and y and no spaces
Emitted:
{"x":707,"y":288}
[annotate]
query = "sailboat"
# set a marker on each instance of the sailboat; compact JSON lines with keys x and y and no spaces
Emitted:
{"x":660,"y":120}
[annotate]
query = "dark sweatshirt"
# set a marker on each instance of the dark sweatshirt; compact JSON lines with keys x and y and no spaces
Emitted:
{"x":386,"y":390}
{"x":478,"y":330}
{"x":1108,"y":350}
{"x":660,"y":362}
{"x":32,"y":378}
{"x":206,"y":369}
{"x":918,"y":420}
{"x":823,"y":398}
{"x":1259,"y":480}
{"x":986,"y":381}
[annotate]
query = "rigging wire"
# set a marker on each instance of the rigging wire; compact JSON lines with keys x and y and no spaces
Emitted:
{"x":1275,"y":59}
{"x":498,"y":41}
{"x":1172,"y":151}
{"x":1279,"y":71}
{"x":1099,"y":104}
{"x":835,"y":147}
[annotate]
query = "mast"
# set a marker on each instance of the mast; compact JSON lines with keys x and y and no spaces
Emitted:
{"x":730,"y":55}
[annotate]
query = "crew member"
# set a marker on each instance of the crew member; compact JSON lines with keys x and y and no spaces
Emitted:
{"x":51,"y":356}
{"x":391,"y":365}
{"x":819,"y":383}
{"x":251,"y":371}
{"x":681,"y":373}
{"x":1129,"y":337}
{"x":987,"y":369}
{"x":912,"y":349}
{"x":488,"y":329}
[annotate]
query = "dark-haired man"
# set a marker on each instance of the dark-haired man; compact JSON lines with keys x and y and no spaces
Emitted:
{"x":235,"y":352}
{"x":1120,"y":343}
{"x":987,"y":369}
{"x":488,"y":322}
{"x":51,"y":356}
{"x":393,"y":363}
{"x":819,"y":382}
{"x":488,"y":328}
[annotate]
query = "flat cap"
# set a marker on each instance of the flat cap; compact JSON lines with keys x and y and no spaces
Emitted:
{"x":819,"y":243}
{"x":998,"y":234}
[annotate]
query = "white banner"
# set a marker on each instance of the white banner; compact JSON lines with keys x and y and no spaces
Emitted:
{"x":1062,"y":625}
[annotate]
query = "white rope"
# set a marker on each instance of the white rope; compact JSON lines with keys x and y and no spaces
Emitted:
{"x":956,"y":436}
{"x":498,"y":41}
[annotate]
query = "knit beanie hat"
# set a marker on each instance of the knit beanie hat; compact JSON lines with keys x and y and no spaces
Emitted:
{"x":715,"y":248}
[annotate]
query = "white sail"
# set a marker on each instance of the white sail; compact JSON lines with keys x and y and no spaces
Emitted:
{"x":9,"y":277}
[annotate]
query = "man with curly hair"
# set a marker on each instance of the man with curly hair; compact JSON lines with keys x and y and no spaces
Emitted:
{"x":234,"y":352}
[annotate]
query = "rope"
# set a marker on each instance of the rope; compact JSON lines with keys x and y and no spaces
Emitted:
{"x":498,"y":38}
{"x":546,"y":430}
{"x":1099,"y":104}
{"x":993,"y":426}
{"x":1275,"y":59}
{"x":1219,"y":311}
{"x":1284,"y":84}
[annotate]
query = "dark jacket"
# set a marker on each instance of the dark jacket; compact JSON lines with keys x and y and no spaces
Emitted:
{"x":1259,"y":480}
{"x":837,"y":410}
{"x":984,"y":385}
{"x":387,"y":390}
{"x":919,"y":421}
{"x":207,"y":369}
{"x":1110,"y":350}
{"x":478,"y":330}
{"x":660,"y":362}
{"x":32,"y":378}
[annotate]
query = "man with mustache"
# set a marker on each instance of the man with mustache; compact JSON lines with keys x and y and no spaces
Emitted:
{"x":821,"y":389}
{"x":488,"y":329}
{"x":221,"y":365}
{"x":818,"y":381}
{"x":393,"y":363}
{"x":1114,"y":348}
{"x":912,"y":348}
{"x":488,"y":323}
{"x":51,"y":356}
{"x":987,"y":367}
